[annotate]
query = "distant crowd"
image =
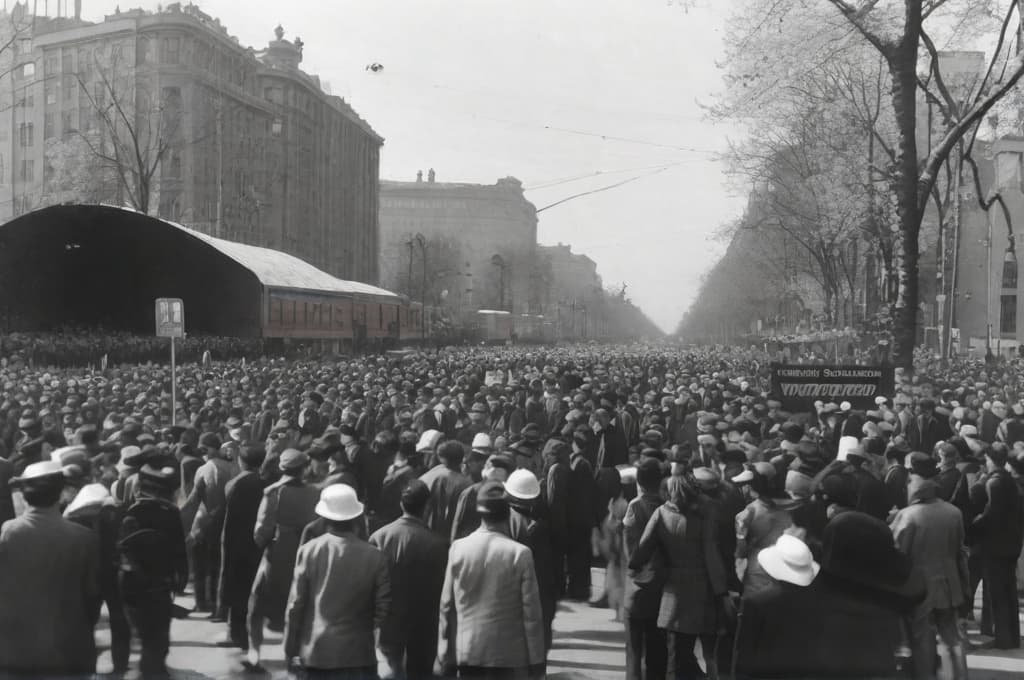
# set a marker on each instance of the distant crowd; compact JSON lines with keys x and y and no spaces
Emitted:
{"x":437,"y":506}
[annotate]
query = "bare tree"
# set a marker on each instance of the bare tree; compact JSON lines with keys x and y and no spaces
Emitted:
{"x":132,"y":131}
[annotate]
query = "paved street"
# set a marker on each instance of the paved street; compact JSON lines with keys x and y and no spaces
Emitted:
{"x":589,"y":644}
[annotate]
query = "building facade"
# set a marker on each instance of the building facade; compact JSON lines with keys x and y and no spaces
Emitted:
{"x":167,"y":113}
{"x":461,"y":246}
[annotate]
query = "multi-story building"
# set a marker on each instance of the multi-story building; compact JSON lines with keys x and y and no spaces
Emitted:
{"x":167,"y":113}
{"x":463,"y":246}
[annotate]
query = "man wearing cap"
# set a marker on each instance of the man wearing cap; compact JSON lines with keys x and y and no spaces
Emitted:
{"x":206,"y":505}
{"x":417,"y":559}
{"x":49,"y":592}
{"x":340,"y":593}
{"x":240,"y":556}
{"x":287,"y":507}
{"x":930,"y":532}
{"x":528,"y":526}
{"x":491,"y":622}
{"x":154,"y":565}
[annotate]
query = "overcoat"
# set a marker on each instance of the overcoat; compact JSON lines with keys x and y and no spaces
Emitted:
{"x":931,"y":532}
{"x":490,"y":612}
{"x":241,"y":556}
{"x":285,"y":510}
{"x":417,"y":558}
{"x":695,"y":576}
{"x":49,"y":595}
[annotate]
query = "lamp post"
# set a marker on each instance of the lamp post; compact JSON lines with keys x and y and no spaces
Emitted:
{"x":422,"y":241}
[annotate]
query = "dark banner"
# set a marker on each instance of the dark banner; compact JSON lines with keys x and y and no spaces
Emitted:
{"x":799,"y":386}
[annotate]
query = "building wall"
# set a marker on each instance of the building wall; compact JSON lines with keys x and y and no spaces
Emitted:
{"x":468,"y":224}
{"x":262,"y":154}
{"x":982,"y":299}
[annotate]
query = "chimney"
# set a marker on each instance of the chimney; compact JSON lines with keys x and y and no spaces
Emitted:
{"x":430,"y":176}
{"x":419,"y":176}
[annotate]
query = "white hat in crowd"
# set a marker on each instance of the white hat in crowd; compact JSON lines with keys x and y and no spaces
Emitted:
{"x":338,"y":502}
{"x":522,"y":484}
{"x":88,"y":496}
{"x":482,"y":442}
{"x":428,"y":440}
{"x":789,"y":560}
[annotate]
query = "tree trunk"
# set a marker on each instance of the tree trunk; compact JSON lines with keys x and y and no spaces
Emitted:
{"x":903,"y":68}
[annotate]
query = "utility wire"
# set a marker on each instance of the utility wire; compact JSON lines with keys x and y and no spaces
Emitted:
{"x":605,"y":188}
{"x":628,"y":140}
{"x":596,"y":173}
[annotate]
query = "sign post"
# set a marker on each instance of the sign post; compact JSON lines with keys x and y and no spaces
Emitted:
{"x":170,"y":323}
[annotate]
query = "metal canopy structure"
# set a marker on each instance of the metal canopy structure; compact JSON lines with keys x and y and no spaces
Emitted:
{"x":105,"y":265}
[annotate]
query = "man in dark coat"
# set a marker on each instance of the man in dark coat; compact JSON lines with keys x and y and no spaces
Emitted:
{"x":528,"y":526}
{"x":872,"y":495}
{"x":646,"y":644}
{"x":446,"y":483}
{"x":407,"y":466}
{"x":998,"y":533}
{"x":417,"y":559}
{"x":554,"y":485}
{"x":928,"y":429}
{"x":154,"y":565}
{"x":896,"y":477}
{"x":240,"y":557}
{"x":581,"y":518}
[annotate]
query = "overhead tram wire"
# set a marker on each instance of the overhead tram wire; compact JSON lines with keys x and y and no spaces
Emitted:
{"x":600,"y":189}
{"x":598,"y":173}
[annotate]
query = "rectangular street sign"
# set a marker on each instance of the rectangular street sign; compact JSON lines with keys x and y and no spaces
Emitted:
{"x":170,"y":318}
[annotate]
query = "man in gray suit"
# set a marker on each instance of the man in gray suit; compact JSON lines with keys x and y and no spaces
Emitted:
{"x":931,"y":532}
{"x":341,"y":591}
{"x":491,"y":624}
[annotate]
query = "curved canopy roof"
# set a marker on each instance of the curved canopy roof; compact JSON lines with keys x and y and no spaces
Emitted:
{"x":278,"y":269}
{"x":105,"y":265}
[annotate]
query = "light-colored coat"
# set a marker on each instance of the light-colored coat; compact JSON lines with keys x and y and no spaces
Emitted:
{"x":341,"y":592}
{"x":49,"y":595}
{"x":490,"y":604}
{"x":931,"y":532}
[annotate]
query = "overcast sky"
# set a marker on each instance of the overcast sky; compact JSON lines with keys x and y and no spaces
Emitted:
{"x":536,"y":89}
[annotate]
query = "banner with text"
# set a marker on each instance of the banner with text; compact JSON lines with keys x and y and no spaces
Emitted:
{"x":799,"y":386}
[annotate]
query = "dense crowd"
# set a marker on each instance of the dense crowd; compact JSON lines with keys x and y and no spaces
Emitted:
{"x":439,"y":505}
{"x":81,"y":346}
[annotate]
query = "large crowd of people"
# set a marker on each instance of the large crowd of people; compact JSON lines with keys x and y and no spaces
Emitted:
{"x":435,"y":508}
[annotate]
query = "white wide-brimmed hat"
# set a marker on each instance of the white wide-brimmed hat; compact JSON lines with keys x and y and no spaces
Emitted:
{"x":88,"y":496}
{"x":522,"y":484}
{"x":789,"y":560}
{"x":338,"y":502}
